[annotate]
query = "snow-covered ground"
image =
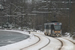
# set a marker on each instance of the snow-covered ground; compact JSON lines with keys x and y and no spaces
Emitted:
{"x":67,"y":45}
{"x":67,"y":36}
{"x":18,"y":45}
{"x":41,"y":43}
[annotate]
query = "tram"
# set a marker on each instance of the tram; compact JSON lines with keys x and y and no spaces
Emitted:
{"x":53,"y":28}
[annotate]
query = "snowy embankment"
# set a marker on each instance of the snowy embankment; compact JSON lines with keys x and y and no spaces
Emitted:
{"x":18,"y":45}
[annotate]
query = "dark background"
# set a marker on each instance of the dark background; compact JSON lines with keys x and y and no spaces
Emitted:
{"x":34,"y":13}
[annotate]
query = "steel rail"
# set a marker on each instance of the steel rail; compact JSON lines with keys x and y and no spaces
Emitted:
{"x":61,"y":44}
{"x":45,"y":45}
{"x":32,"y":44}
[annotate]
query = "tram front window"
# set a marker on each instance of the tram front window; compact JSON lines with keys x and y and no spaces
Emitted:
{"x":57,"y":27}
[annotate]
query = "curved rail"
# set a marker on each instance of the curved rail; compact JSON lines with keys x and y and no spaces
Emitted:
{"x":61,"y":44}
{"x":45,"y":45}
{"x":71,"y":41}
{"x":37,"y":43}
{"x":32,"y":44}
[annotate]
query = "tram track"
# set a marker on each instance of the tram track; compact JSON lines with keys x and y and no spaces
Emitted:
{"x":45,"y":45}
{"x":65,"y":43}
{"x":71,"y":41}
{"x":44,"y":42}
{"x":37,"y":43}
{"x":49,"y":43}
{"x":61,"y":44}
{"x":32,"y":44}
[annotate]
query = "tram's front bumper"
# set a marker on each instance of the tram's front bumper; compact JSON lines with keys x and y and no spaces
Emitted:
{"x":56,"y":33}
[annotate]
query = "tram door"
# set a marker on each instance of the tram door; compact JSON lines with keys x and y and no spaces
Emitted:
{"x":52,"y":28}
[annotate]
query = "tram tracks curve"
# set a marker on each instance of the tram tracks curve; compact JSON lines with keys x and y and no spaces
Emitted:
{"x":71,"y":41}
{"x":49,"y":43}
{"x":46,"y":44}
{"x":65,"y":43}
{"x":33,"y":43}
{"x":39,"y":48}
{"x":61,"y":44}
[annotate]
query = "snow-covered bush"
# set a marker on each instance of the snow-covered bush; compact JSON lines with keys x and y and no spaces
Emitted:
{"x":67,"y":34}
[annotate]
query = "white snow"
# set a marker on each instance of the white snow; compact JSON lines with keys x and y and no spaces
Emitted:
{"x":53,"y":45}
{"x":18,"y":45}
{"x":67,"y":36}
{"x":67,"y":45}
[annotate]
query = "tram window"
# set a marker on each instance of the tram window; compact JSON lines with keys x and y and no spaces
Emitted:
{"x":47,"y":26}
{"x":57,"y":27}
